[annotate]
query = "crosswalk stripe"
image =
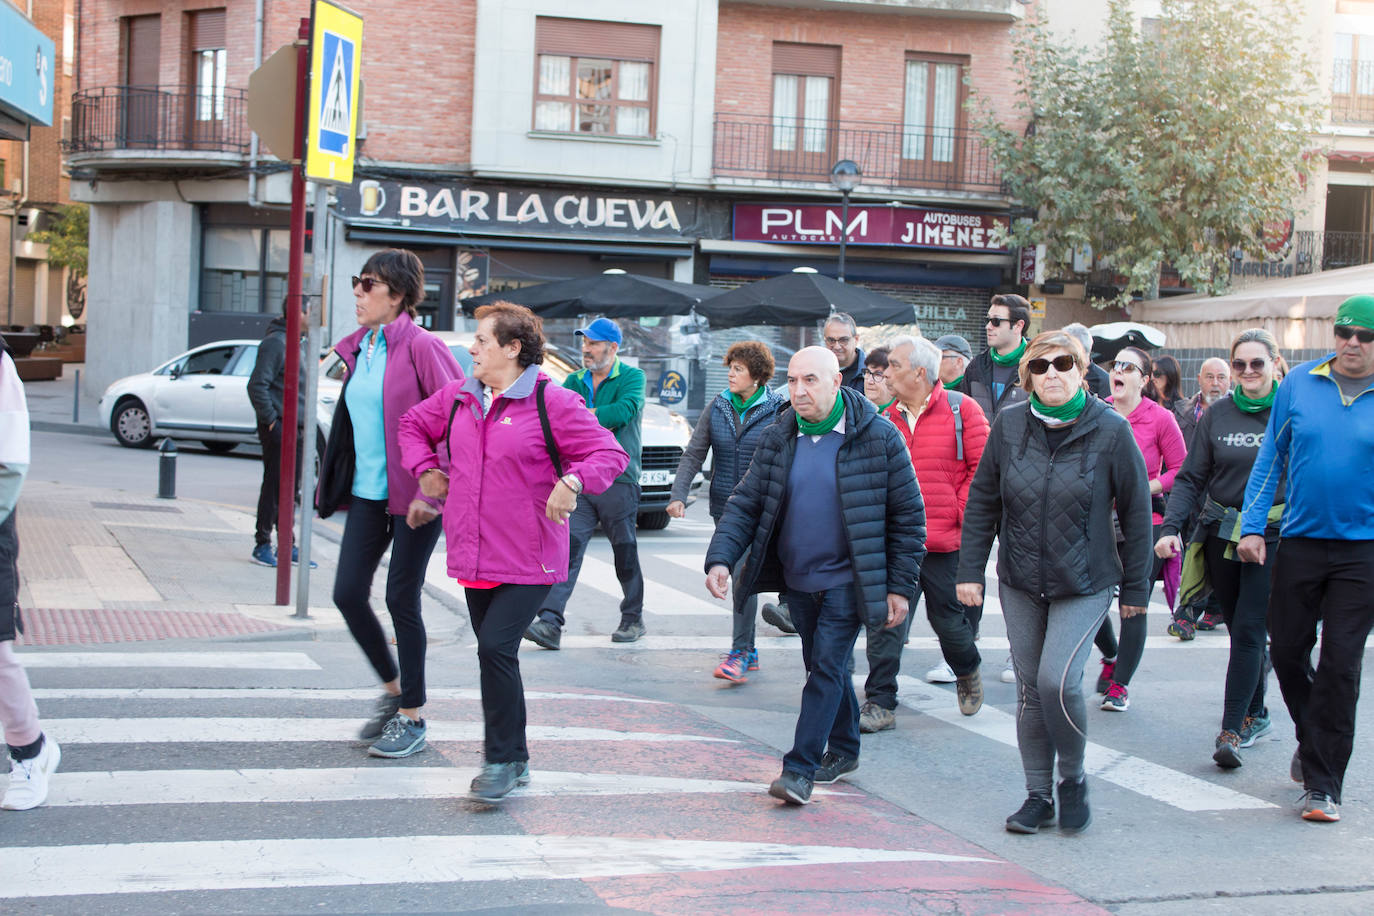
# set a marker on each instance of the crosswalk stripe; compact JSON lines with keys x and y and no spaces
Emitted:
{"x":49,"y":871}
{"x":331,"y":784}
{"x":276,"y":661}
{"x":299,"y":693}
{"x":1149,"y":779}
{"x":196,"y":730}
{"x":659,"y":599}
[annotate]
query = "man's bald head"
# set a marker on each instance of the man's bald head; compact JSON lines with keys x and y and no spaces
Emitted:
{"x":1213,"y":379}
{"x":813,"y":382}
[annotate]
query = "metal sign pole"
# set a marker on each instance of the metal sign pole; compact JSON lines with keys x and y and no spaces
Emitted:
{"x":312,"y":387}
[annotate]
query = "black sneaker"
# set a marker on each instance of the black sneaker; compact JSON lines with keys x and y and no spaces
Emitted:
{"x":629,"y":631}
{"x":1227,"y":754}
{"x":1036,"y":812}
{"x":1074,"y":816}
{"x":387,"y":707}
{"x":497,"y":780}
{"x":544,"y":634}
{"x":777,"y":615}
{"x":791,"y":787}
{"x":833,"y":768}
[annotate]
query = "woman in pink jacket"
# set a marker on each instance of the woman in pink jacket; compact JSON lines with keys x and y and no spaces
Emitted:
{"x":480,"y":445}
{"x":1161,"y":442}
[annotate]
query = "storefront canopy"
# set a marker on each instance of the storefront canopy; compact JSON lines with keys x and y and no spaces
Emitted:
{"x":1310,"y":296}
{"x":611,"y":295}
{"x":801,"y":299}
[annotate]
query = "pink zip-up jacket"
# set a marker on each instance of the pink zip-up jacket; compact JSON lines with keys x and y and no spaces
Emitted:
{"x":1161,"y":442}
{"x":500,"y":474}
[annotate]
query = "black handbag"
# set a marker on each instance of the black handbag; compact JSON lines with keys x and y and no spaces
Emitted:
{"x":337,"y":465}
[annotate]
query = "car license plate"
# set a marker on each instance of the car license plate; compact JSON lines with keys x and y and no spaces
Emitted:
{"x":652,"y":478}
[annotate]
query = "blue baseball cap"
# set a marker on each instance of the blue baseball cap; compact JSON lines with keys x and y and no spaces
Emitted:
{"x":601,"y":329}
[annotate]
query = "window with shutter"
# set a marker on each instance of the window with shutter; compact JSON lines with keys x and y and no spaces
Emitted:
{"x":804,"y":103}
{"x":208,"y":63}
{"x":933,"y":116}
{"x":595,"y":77}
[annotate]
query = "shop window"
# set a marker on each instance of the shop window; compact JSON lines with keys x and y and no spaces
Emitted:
{"x":208,"y":64}
{"x":244,"y":269}
{"x":804,"y":105}
{"x":932,"y":116}
{"x":595,"y":77}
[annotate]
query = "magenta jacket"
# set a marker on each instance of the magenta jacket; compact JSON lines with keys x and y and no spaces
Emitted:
{"x":500,"y":475}
{"x":1161,"y":442}
{"x":418,"y":364}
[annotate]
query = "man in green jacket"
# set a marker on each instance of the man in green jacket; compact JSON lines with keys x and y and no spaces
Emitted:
{"x":615,"y":393}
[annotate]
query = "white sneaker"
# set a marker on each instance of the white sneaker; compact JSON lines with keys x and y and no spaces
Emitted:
{"x":29,"y":778}
{"x":941,"y":674}
{"x":1008,"y":672}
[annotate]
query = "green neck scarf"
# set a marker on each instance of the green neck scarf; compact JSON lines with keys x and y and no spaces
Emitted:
{"x":742,"y":405}
{"x":954,"y":384}
{"x":821,"y":427}
{"x":1011,"y":358}
{"x":1254,"y":405}
{"x":883,"y":408}
{"x":1064,"y":413}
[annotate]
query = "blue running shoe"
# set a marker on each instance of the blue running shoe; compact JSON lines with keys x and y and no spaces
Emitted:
{"x":401,"y":737}
{"x":1254,"y":728}
{"x":733,"y":668}
{"x":753,"y":659}
{"x":264,"y":555}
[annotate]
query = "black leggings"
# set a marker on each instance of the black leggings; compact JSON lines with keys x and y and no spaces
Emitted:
{"x":1243,"y":592}
{"x":499,"y":618}
{"x":368,"y":532}
{"x":1133,"y":631}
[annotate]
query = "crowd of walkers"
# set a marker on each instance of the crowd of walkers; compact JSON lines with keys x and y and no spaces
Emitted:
{"x":873,"y":480}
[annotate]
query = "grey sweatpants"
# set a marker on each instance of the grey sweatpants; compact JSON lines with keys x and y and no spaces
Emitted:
{"x":1050,"y":643}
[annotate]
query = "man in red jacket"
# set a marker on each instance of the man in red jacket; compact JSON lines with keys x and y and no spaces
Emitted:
{"x":944,"y":454}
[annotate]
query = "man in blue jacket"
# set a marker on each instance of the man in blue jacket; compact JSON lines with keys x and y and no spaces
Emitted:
{"x":830,"y":513}
{"x":1321,"y":433}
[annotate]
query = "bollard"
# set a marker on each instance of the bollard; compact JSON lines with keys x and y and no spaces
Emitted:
{"x":167,"y":470}
{"x":76,"y":399}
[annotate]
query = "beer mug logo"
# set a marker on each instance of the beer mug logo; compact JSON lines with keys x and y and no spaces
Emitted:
{"x":373,"y":197}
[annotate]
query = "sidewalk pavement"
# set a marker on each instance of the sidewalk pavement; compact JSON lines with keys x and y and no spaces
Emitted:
{"x":51,"y":402}
{"x":102,"y":566}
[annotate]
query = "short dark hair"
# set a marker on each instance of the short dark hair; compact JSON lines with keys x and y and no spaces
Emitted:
{"x":877,"y":357}
{"x":1018,"y":309}
{"x":755,"y":355}
{"x":515,"y":322}
{"x":402,"y":272}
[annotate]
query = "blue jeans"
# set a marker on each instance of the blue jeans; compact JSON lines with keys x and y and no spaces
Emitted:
{"x":828,"y":623}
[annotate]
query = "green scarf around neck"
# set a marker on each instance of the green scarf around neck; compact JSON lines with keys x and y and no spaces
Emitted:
{"x":742,"y":405}
{"x":1064,"y":413}
{"x":821,"y":427}
{"x":1254,"y":405}
{"x":954,"y":384}
{"x":883,"y":408}
{"x":1011,"y":358}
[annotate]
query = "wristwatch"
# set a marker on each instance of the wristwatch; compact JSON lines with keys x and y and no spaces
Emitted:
{"x":572,"y":483}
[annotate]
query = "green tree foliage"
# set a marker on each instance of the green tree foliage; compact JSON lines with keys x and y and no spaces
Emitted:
{"x":68,"y":239}
{"x":1175,"y":147}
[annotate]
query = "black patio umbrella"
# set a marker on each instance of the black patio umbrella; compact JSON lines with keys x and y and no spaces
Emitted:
{"x":800,"y":299}
{"x":611,"y":295}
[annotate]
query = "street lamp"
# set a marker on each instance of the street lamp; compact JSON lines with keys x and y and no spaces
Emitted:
{"x":845,"y":176}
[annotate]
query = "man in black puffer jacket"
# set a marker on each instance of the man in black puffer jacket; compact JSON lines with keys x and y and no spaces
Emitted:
{"x":830,"y":513}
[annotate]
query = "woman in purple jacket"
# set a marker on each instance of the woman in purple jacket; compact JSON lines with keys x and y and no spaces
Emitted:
{"x":480,"y":445}
{"x":393,"y":364}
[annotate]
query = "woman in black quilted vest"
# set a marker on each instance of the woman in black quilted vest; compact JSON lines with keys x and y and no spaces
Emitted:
{"x":1051,"y":471}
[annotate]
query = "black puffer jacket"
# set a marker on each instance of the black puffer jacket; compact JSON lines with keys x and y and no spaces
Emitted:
{"x":1052,"y":513}
{"x":977,"y":384}
{"x":884,"y":516}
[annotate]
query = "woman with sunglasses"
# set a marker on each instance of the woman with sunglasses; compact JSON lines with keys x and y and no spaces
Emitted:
{"x":1049,"y":477}
{"x":1163,"y":387}
{"x":1160,"y":441}
{"x":392,"y":365}
{"x":730,"y":430}
{"x":1212,"y":484}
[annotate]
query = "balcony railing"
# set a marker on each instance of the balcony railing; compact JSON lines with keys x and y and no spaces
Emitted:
{"x":1352,"y":91}
{"x":179,"y":118}
{"x":890,"y":155}
{"x":1330,"y":250}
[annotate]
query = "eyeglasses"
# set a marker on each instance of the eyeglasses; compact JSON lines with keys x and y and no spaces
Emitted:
{"x":838,"y":341}
{"x":1060,"y":363}
{"x":1125,"y":365}
{"x":952,"y":356}
{"x":996,"y":322}
{"x":1364,"y":335}
{"x":367,"y":283}
{"x":1255,"y":365}
{"x":875,"y":374}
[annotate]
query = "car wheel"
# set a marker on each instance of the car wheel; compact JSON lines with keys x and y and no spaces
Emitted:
{"x":219,"y":448}
{"x":131,"y":425}
{"x":654,"y":521}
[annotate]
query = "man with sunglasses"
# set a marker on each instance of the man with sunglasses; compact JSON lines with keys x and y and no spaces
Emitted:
{"x":1321,"y":434}
{"x":993,"y":378}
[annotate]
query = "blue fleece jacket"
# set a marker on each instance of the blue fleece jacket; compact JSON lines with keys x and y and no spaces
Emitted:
{"x":1326,"y":444}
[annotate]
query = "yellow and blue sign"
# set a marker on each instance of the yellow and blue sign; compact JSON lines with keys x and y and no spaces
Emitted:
{"x":672,"y":387}
{"x":336,"y":46}
{"x":27,"y":74}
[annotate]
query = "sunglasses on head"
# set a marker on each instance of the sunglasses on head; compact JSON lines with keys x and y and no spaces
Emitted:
{"x":1060,"y":363}
{"x":1363,"y":335}
{"x":1255,"y":365}
{"x":1125,"y":365}
{"x":367,"y":283}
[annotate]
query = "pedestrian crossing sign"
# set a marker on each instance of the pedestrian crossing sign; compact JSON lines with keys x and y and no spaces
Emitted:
{"x":336,"y":39}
